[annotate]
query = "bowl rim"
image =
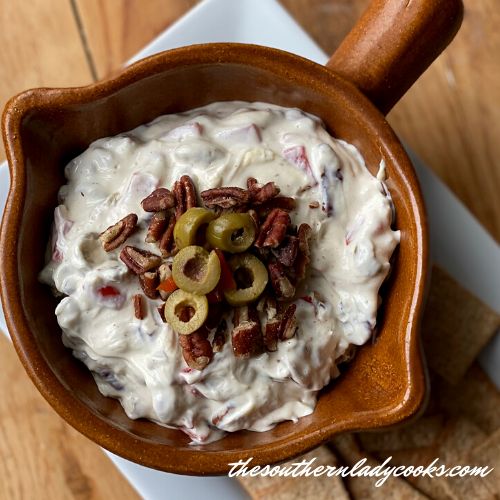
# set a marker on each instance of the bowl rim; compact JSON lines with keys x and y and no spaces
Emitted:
{"x":75,"y":412}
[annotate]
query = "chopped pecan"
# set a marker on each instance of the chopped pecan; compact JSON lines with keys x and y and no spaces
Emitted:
{"x":149,"y":281}
{"x":282,"y":286}
{"x":225,"y":197}
{"x":246,"y":336}
{"x":304,"y":253}
{"x":219,"y":337}
{"x":161,"y":312}
{"x":252,"y":185}
{"x":288,"y":323}
{"x":286,"y":253}
{"x":240,"y":209}
{"x":196,"y":349}
{"x":277,"y":326}
{"x":272,"y":330}
{"x":138,"y":307}
{"x":273,"y":230}
{"x":304,"y":233}
{"x":261,"y":193}
{"x":159,"y":199}
{"x":139,"y":261}
{"x":255,"y":217}
{"x":267,"y":305}
{"x":244,"y":314}
{"x":283,"y":202}
{"x":314,"y":204}
{"x":167,"y":242}
{"x":264,"y":254}
{"x":157,"y":227}
{"x":272,"y":323}
{"x":117,"y":234}
{"x":185,"y":195}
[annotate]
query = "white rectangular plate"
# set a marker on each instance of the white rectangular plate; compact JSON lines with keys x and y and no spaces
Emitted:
{"x":459,"y":244}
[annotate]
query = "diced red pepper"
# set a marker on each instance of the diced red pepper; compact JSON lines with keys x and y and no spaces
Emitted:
{"x":168,"y":285}
{"x":298,"y":156}
{"x":216,"y":295}
{"x":226,"y":281}
{"x":108,"y":291}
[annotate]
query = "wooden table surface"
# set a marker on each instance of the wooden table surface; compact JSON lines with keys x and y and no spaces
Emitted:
{"x":451,"y":118}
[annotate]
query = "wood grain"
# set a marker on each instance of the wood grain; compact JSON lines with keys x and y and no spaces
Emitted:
{"x":116,"y":29}
{"x":40,"y":47}
{"x":42,"y":456}
{"x":327,"y":21}
{"x":451,"y":116}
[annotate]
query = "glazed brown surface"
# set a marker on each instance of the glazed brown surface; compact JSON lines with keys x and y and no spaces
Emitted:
{"x":376,"y":384}
{"x":63,"y":123}
{"x":383,"y":61}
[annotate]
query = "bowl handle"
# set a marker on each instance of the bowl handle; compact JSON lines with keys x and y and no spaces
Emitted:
{"x":393,"y":43}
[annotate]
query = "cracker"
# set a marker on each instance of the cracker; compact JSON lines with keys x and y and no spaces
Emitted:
{"x":364,"y":487}
{"x":462,"y":437}
{"x":469,"y":487}
{"x":436,"y":488}
{"x":421,"y":433}
{"x":456,"y":326}
{"x":459,"y":436}
{"x":456,"y":438}
{"x":394,"y":488}
{"x":300,"y":488}
{"x":476,"y":398}
{"x":488,"y":453}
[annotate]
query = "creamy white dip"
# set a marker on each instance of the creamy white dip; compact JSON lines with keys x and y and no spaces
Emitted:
{"x":140,"y":362}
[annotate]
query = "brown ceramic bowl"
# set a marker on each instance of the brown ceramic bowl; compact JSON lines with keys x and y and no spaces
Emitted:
{"x":44,"y":128}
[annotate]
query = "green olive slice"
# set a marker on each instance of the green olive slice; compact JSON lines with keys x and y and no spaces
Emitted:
{"x":187,"y":228}
{"x":251,"y":278}
{"x":195,"y":270}
{"x":231,"y":232}
{"x":186,"y":312}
